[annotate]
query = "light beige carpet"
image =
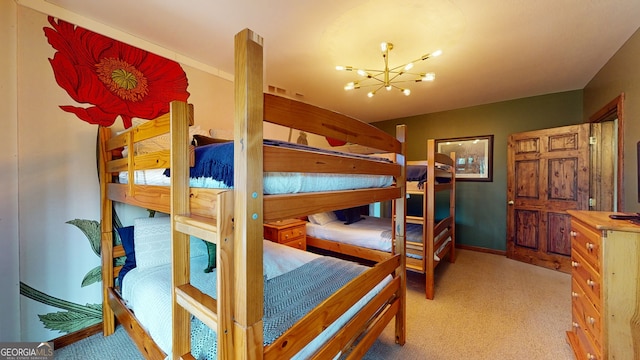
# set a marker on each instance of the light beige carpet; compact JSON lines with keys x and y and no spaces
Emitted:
{"x":485,"y":307}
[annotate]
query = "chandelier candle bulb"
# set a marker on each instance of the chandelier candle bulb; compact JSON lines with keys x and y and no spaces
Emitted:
{"x":388,"y":78}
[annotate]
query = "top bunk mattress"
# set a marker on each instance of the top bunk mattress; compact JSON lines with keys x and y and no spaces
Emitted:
{"x":213,"y":168}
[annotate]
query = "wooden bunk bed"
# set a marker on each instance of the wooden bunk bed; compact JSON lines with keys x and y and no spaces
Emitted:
{"x":233,"y":220}
{"x":438,"y":235}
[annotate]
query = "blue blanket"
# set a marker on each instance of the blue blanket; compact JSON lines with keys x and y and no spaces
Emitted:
{"x":287,"y":298}
{"x":216,"y":160}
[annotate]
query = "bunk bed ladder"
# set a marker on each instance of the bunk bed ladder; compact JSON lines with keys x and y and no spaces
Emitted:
{"x":187,"y":300}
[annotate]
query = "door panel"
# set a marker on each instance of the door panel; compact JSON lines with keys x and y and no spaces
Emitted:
{"x":548,"y":173}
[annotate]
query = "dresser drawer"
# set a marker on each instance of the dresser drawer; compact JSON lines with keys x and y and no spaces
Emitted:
{"x":290,"y":234}
{"x":588,"y":243}
{"x":300,"y":243}
{"x":588,"y":350}
{"x":583,"y":309}
{"x":587,"y":278}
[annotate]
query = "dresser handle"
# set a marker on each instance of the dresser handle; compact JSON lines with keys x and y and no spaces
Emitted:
{"x":590,"y":356}
{"x":574,"y":294}
{"x":286,"y":236}
{"x":590,"y":246}
{"x":575,"y":325}
{"x":575,"y":264}
{"x":573,"y":234}
{"x":591,"y":320}
{"x":591,"y":283}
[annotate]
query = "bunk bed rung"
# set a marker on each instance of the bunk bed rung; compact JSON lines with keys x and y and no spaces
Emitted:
{"x":413,"y":267}
{"x":414,"y":246}
{"x":414,"y":220}
{"x":118,"y":251}
{"x":199,"y":304}
{"x":198,"y":226}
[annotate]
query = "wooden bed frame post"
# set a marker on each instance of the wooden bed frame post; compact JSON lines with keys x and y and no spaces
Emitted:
{"x":452,"y":212}
{"x":179,"y":241}
{"x":428,"y":212}
{"x":106,"y":230}
{"x":248,"y":191}
{"x":400,"y":232}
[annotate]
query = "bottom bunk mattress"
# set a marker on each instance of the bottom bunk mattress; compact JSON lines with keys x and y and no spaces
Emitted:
{"x":148,"y":293}
{"x":371,"y":232}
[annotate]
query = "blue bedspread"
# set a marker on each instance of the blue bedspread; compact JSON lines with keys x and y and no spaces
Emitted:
{"x":216,"y":160}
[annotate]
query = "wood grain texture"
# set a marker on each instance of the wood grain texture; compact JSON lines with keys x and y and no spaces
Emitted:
{"x":138,"y":334}
{"x":605,"y":287}
{"x":233,"y":220}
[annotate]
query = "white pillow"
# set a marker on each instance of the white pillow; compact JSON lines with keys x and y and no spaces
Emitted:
{"x":161,"y":142}
{"x":323,"y":218}
{"x":152,"y":242}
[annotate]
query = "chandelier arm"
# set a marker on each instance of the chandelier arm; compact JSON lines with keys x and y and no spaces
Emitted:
{"x":396,"y":75}
{"x":407,"y":81}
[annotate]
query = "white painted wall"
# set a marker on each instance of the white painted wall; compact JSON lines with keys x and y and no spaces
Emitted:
{"x":9,"y":265}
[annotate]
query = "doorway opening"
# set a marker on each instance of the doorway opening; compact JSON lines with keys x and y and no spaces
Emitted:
{"x":607,"y":173}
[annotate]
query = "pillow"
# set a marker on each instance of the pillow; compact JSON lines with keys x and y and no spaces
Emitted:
{"x":152,"y":240}
{"x":200,"y":140}
{"x":352,"y":215}
{"x":126,"y":237}
{"x":161,"y":142}
{"x":323,"y":218}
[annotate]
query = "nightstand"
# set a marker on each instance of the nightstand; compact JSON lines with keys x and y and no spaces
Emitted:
{"x":290,"y":232}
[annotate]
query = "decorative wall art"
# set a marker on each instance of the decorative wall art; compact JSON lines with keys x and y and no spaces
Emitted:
{"x":474,"y":156}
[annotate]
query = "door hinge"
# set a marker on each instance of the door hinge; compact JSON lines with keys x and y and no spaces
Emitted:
{"x":592,"y":202}
{"x":593,"y":140}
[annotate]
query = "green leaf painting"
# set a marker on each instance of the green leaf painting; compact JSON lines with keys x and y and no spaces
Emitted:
{"x":91,"y":230}
{"x":93,"y":276}
{"x":76,"y":316}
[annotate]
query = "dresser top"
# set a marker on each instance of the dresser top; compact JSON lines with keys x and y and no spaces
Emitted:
{"x":600,"y":220}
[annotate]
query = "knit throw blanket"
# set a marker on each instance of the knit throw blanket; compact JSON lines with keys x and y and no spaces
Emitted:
{"x":216,"y":160}
{"x":287,"y":298}
{"x":413,"y":233}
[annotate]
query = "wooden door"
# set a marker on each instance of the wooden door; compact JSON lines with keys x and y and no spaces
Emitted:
{"x":547,"y":173}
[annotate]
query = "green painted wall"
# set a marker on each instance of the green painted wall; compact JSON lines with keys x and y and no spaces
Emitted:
{"x":481,"y":207}
{"x":621,"y":75}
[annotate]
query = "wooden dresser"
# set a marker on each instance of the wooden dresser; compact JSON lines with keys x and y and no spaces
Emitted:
{"x":290,"y":232}
{"x":605,"y":287}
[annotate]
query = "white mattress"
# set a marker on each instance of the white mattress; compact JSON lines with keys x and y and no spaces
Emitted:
{"x":274,"y":182}
{"x":148,"y":293}
{"x":365,"y":233}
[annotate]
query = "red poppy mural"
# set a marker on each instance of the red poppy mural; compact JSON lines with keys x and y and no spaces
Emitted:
{"x":117,"y":79}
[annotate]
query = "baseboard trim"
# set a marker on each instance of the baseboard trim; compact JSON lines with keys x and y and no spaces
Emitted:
{"x":481,"y":249}
{"x":73,"y":337}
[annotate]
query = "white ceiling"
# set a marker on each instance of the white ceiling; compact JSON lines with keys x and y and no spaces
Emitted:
{"x":493,"y":50}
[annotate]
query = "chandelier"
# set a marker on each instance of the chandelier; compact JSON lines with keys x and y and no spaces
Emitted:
{"x":389,"y":78}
